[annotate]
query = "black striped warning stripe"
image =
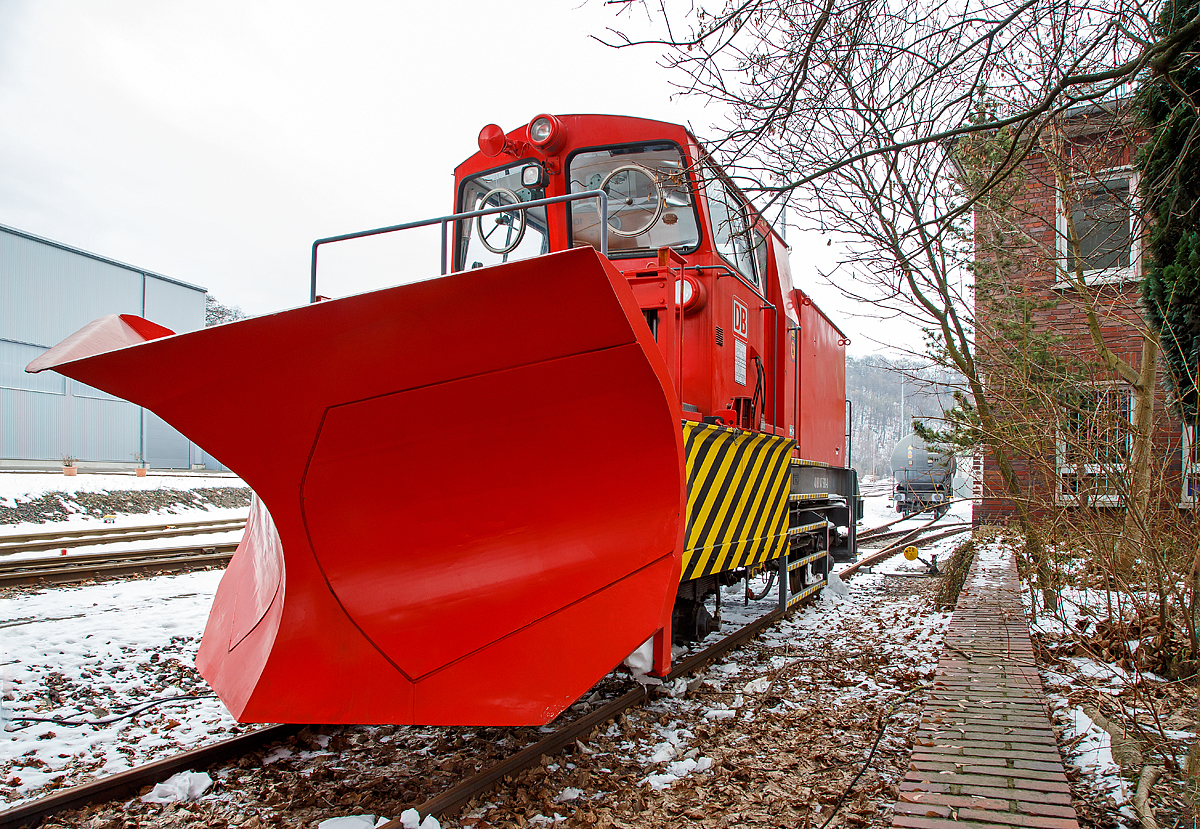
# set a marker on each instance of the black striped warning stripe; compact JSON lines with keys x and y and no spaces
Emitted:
{"x":738,"y":484}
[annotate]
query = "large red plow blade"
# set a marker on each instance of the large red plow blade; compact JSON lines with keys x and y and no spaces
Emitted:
{"x":469,"y":490}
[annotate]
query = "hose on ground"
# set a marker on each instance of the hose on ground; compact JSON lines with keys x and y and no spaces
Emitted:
{"x":760,"y":596}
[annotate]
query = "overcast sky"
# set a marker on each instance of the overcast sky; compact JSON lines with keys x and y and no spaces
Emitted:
{"x":213,"y":142}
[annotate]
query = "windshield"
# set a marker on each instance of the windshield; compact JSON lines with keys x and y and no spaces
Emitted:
{"x":649,"y":199}
{"x":500,"y":237}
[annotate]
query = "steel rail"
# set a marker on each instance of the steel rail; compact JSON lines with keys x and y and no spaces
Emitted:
{"x":460,"y":794}
{"x":874,"y":530}
{"x":888,"y":552}
{"x":127,"y":783}
{"x":35,"y":571}
{"x":881,"y":537}
{"x":31,"y":542}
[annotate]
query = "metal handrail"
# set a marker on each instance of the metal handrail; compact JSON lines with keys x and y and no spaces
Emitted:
{"x":454,"y":217}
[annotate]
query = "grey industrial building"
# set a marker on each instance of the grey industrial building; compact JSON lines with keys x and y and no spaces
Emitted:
{"x":47,"y":292}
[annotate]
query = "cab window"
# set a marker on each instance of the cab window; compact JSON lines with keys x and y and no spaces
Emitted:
{"x":650,"y":202}
{"x":760,"y":256}
{"x":731,"y":231}
{"x":500,"y":237}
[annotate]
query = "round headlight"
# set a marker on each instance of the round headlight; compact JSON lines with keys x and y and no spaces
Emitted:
{"x":546,"y":133}
{"x":540,"y":130}
{"x":689,"y":293}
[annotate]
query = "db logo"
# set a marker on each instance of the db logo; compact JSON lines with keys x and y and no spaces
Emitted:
{"x":741,"y":320}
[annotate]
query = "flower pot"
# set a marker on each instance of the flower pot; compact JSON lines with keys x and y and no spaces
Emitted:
{"x":70,"y":470}
{"x":140,"y":471}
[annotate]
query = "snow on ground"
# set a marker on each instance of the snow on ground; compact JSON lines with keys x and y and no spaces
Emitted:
{"x":769,"y":736}
{"x":92,"y":652}
{"x":1074,"y":676}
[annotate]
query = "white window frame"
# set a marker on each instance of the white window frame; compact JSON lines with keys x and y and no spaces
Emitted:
{"x":1067,"y":499}
{"x":1189,"y":496}
{"x":1104,"y":276}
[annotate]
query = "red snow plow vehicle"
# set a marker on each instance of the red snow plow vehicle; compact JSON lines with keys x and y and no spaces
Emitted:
{"x":475,"y":495}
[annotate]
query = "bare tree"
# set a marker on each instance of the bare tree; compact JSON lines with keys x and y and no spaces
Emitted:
{"x":216,"y":313}
{"x":864,"y":117}
{"x":798,"y":77}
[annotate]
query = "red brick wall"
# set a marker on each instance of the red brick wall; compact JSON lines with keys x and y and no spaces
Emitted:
{"x":1034,"y":212}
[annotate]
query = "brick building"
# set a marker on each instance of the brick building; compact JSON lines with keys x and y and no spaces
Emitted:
{"x":1067,"y":413}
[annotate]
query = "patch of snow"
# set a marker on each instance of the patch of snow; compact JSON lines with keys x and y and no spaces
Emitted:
{"x":757,"y":686}
{"x":26,"y":486}
{"x":279,"y":753}
{"x":642,"y":659}
{"x":411,"y":819}
{"x":676,"y":771}
{"x":1093,"y":753}
{"x":186,"y":785}
{"x":836,"y":587}
{"x":353,"y":822}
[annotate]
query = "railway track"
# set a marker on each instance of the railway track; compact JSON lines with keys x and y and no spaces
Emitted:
{"x":71,"y":539}
{"x":873,"y":532}
{"x":450,"y":800}
{"x":915,"y":538}
{"x":68,"y":569}
{"x":883,"y":538}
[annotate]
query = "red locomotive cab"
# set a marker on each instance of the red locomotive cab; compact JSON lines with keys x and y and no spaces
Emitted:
{"x":723,"y":332}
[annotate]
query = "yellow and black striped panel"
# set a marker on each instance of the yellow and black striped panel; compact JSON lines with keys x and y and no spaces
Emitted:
{"x":737,"y":506}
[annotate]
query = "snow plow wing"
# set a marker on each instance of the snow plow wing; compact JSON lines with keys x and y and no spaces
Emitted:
{"x":469,"y":491}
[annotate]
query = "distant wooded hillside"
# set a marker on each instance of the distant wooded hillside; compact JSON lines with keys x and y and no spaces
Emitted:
{"x":873,"y":386}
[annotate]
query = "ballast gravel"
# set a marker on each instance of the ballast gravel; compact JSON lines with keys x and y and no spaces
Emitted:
{"x":63,"y":506}
{"x":776,"y":732}
{"x":773,"y":735}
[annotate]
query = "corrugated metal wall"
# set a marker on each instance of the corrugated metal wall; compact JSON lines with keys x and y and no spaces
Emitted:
{"x":47,"y":292}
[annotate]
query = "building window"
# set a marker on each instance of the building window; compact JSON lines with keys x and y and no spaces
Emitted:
{"x":1191,"y":467}
{"x":1102,"y":211}
{"x":1094,"y":441}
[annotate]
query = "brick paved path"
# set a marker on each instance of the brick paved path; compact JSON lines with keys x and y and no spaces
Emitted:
{"x":985,"y":753}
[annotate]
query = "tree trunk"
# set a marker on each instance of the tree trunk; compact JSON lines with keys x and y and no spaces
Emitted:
{"x":1137,"y":505}
{"x":1034,"y":547}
